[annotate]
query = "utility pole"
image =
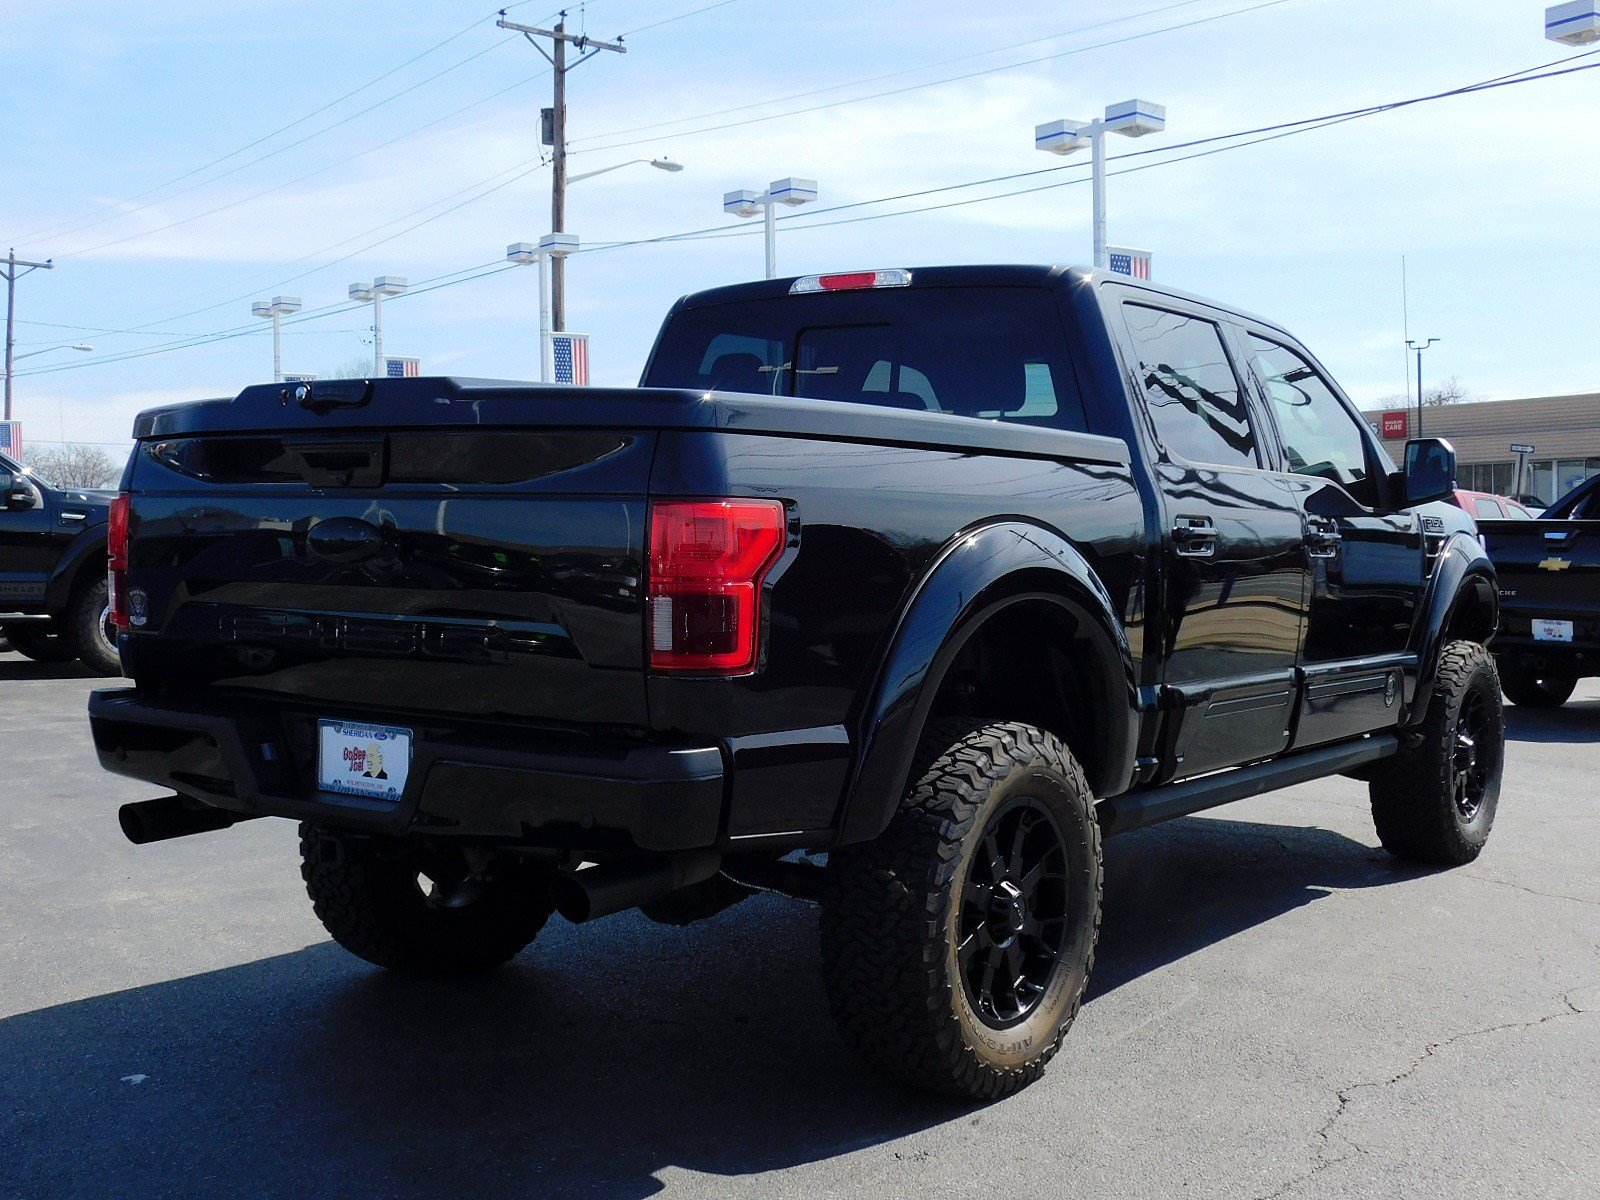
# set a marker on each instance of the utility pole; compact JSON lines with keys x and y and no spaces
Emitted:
{"x":556,"y":56}
{"x":1419,"y":346}
{"x":12,"y":274}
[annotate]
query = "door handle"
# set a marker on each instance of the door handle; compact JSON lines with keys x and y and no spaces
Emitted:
{"x":1322,"y":537}
{"x":1194,"y":537}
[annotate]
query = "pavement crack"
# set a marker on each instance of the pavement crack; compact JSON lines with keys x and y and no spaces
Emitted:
{"x":1324,"y":1157}
{"x":1519,"y":887}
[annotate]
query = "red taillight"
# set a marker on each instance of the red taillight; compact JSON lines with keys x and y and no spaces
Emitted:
{"x":117,"y":530}
{"x":708,"y":559}
{"x":850,"y":281}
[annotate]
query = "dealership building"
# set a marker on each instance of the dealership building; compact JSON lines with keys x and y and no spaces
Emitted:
{"x":1563,"y":433}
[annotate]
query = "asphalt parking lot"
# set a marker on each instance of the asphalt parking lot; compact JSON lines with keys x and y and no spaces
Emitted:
{"x":1277,"y":1010}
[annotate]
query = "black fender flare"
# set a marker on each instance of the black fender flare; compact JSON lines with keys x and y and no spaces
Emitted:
{"x":81,"y":555}
{"x":1463,"y":572}
{"x":979,"y":573}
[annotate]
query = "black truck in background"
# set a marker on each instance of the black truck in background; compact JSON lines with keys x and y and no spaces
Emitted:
{"x":899,"y":590}
{"x":53,"y":595}
{"x":1549,"y":579}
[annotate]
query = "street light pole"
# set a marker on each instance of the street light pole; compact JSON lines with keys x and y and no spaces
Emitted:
{"x":80,"y":347}
{"x":12,"y":274}
{"x":1419,"y":347}
{"x":1131,"y":118}
{"x":383,"y":285}
{"x":275,"y":310}
{"x":556,"y":56}
{"x":792,"y":191}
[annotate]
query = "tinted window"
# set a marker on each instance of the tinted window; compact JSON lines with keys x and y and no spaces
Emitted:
{"x":1320,"y":435}
{"x":997,"y":353}
{"x":1189,"y":386}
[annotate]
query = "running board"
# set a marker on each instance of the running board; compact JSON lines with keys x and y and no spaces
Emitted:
{"x":1135,"y":810}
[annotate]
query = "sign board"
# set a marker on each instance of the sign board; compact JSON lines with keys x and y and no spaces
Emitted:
{"x":1521,"y":448}
{"x":1396,"y":425}
{"x":401,"y":368}
{"x":11,"y":439}
{"x":1135,"y":264}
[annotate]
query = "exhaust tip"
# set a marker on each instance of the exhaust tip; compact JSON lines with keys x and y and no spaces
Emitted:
{"x":571,"y":900}
{"x":132,"y":824}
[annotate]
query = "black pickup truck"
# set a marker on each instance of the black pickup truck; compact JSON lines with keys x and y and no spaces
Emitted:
{"x":53,"y":599}
{"x":1549,"y":577}
{"x":940,"y":576}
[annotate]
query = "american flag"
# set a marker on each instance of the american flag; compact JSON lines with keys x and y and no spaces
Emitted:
{"x":1133,"y":263}
{"x":11,"y":438}
{"x":402,"y":368}
{"x":570,"y":352}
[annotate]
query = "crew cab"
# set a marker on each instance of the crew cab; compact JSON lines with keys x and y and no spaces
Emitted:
{"x":1548,"y":569}
{"x":53,"y":599}
{"x":896,"y":589}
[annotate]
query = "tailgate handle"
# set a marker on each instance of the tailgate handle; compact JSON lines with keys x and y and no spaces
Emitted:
{"x":326,"y":395}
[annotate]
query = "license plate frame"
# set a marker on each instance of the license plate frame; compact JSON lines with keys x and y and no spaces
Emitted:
{"x":359,"y":758}
{"x":1547,"y":630}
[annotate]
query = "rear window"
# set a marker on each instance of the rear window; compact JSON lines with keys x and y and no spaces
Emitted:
{"x":996,"y":353}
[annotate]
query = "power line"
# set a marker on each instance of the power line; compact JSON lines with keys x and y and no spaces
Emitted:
{"x":835,"y":87}
{"x":832,"y":104}
{"x":683,"y":16}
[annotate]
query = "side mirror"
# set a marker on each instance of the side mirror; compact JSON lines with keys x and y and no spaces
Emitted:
{"x":1430,"y":472}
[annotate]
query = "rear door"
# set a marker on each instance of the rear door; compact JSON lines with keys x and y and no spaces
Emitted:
{"x":1367,"y":566}
{"x":1231,"y":575}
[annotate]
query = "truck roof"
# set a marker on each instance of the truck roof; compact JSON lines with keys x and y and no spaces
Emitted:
{"x":976,"y":275}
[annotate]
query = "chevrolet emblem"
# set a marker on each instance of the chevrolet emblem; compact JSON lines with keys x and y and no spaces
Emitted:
{"x":1554,"y":564}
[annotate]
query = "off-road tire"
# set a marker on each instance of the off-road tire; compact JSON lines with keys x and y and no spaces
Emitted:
{"x":88,"y":632}
{"x":1526,"y":688}
{"x":366,"y":893}
{"x":1417,"y":795}
{"x":39,"y":641}
{"x":893,"y":908}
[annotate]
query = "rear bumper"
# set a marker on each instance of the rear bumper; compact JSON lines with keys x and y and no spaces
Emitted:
{"x":463,"y":784}
{"x":1581,"y":655}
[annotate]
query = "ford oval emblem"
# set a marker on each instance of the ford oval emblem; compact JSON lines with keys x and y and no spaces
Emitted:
{"x":344,"y":540}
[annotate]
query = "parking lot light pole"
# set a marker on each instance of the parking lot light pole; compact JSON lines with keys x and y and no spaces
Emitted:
{"x":1574,"y":24}
{"x":383,"y":285}
{"x":275,"y":310}
{"x":1419,"y":347}
{"x":551,"y":246}
{"x":792,"y":191}
{"x":1131,"y":118}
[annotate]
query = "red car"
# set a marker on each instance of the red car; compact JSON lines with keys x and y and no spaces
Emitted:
{"x":1483,"y":506}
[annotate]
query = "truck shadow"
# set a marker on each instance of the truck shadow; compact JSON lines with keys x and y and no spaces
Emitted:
{"x":1576,"y":722}
{"x":610,"y":1054}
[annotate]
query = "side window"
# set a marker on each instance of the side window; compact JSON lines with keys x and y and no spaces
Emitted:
{"x":1320,"y":435}
{"x":1488,"y":510}
{"x":1190,"y":389}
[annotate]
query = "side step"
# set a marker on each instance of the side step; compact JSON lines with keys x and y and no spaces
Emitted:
{"x":1135,"y":810}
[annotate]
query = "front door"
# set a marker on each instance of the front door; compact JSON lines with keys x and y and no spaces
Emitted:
{"x":27,"y":549}
{"x":1231,"y":576}
{"x":1368,"y":566}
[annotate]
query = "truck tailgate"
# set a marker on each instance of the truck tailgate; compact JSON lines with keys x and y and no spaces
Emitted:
{"x":489,"y":573}
{"x":1546,"y":569}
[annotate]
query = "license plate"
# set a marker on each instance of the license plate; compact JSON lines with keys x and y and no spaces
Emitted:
{"x":1551,"y":631}
{"x":363,"y":760}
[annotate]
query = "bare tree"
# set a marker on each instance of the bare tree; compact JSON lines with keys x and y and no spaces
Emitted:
{"x":74,"y":465}
{"x":355,"y":368}
{"x":1451,"y":391}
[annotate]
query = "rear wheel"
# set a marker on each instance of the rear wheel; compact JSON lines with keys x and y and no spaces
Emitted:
{"x":957,"y":946}
{"x":1527,"y":688}
{"x":1435,"y":801}
{"x":90,"y":629}
{"x":39,"y":641}
{"x":421,"y":910}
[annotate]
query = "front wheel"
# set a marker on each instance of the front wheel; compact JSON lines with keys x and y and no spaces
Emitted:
{"x":957,"y":946}
{"x":421,"y":910}
{"x":1435,"y":800}
{"x":1526,"y":688}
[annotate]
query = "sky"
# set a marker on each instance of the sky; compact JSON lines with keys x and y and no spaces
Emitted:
{"x":179,"y":160}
